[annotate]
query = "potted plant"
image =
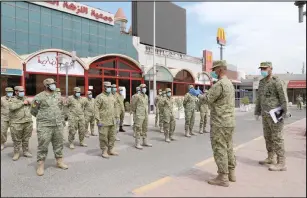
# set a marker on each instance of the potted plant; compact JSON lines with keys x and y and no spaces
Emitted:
{"x":179,"y":107}
{"x":128,"y":119}
{"x":245,"y":104}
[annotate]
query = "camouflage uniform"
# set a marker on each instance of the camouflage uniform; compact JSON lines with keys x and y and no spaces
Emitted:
{"x":58,"y":91}
{"x":106,"y":121}
{"x":140,"y":107}
{"x":46,"y":107}
{"x":169,"y":122}
{"x":156,"y":102}
{"x":159,"y":105}
{"x":89,"y":113}
{"x":132,"y":107}
{"x":203,"y":108}
{"x":122,"y":112}
{"x":222,"y":105}
{"x":299,"y":101}
{"x":76,"y":118}
{"x":189,"y":104}
{"x":272,"y":95}
{"x":5,"y":120}
{"x":118,"y":109}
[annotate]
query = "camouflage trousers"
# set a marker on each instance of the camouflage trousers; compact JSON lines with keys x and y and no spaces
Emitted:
{"x":47,"y":134}
{"x":121,"y":118}
{"x":21,"y":134}
{"x":222,"y":147}
{"x":133,"y":126}
{"x":189,"y":120}
{"x":273,"y":135}
{"x":74,"y":126}
{"x":203,"y":120}
{"x":90,"y":120}
{"x":157,"y":117}
{"x":161,"y":118}
{"x":299,"y":105}
{"x":169,"y":126}
{"x":117,"y":125}
{"x":141,"y":126}
{"x":4,"y":128}
{"x":106,"y":137}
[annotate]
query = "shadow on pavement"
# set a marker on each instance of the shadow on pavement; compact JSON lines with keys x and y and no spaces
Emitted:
{"x":197,"y":174}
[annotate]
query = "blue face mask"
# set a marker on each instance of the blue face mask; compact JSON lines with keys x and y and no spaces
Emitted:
{"x":52,"y":87}
{"x":108,"y":90}
{"x":78,"y":94}
{"x":9,"y":94}
{"x":144,"y":90}
{"x":138,"y":92}
{"x":264,"y":73}
{"x":214,"y":75}
{"x":114,"y":89}
{"x":90,"y":96}
{"x":169,"y":94}
{"x":21,"y":94}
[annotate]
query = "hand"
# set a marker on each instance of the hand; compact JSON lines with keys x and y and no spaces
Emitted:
{"x":99,"y":125}
{"x":25,"y":102}
{"x":257,"y":117}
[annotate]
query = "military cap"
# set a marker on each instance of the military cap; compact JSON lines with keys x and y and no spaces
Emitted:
{"x":265,"y":64}
{"x":48,"y":81}
{"x":138,"y":88}
{"x":168,"y":90}
{"x":219,"y":63}
{"x":77,"y":89}
{"x":113,"y":86}
{"x":19,"y":88}
{"x":58,"y":90}
{"x":160,"y":90}
{"x":164,"y":92}
{"x":9,"y":89}
{"x":191,"y":86}
{"x":89,"y":92}
{"x":107,"y":84}
{"x":142,"y":85}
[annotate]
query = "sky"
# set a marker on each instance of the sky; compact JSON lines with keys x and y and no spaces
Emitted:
{"x":255,"y":32}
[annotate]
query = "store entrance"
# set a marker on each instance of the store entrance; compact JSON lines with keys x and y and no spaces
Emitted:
{"x":95,"y":85}
{"x":125,"y":83}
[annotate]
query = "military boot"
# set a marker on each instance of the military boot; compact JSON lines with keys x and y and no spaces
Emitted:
{"x":280,"y":166}
{"x":87,"y":134}
{"x":138,"y":144}
{"x":40,"y":168}
{"x":220,"y":180}
{"x":201,"y":131}
{"x":205,"y":131}
{"x":2,"y":147}
{"x":172,"y":138}
{"x":161,"y":130}
{"x":145,"y":143}
{"x":16,"y":156}
{"x":167,"y":139}
{"x":105,"y":154}
{"x":192,"y":133}
{"x":269,"y":160}
{"x":121,"y":129}
{"x":112,"y":152}
{"x":93,"y":134}
{"x":27,"y":154}
{"x":83,"y":144}
{"x":61,"y":164}
{"x":232,"y":176}
{"x":71,"y":146}
{"x":187,"y":134}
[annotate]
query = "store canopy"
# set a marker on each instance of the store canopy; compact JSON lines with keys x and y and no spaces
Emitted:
{"x":163,"y":74}
{"x":11,"y":62}
{"x":203,"y":78}
{"x":183,"y":75}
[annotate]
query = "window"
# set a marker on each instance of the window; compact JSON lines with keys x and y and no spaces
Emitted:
{"x":45,"y":18}
{"x":76,"y":26}
{"x":85,"y":26}
{"x":76,"y":36}
{"x":46,"y":42}
{"x":7,"y":10}
{"x":22,"y":25}
{"x":184,"y":76}
{"x":101,"y":41}
{"x":56,"y":32}
{"x":22,"y":38}
{"x":93,"y":39}
{"x":34,"y":7}
{"x":22,"y":4}
{"x":67,"y":34}
{"x":34,"y":48}
{"x":180,"y":89}
{"x":93,"y":47}
{"x":73,"y":81}
{"x":35,"y":16}
{"x":34,"y":27}
{"x":34,"y":83}
{"x":56,"y":21}
{"x":93,"y":30}
{"x":22,"y":49}
{"x":9,"y":81}
{"x":9,"y":35}
{"x":67,"y":23}
{"x":34,"y":39}
{"x":85,"y":38}
{"x":46,"y":30}
{"x":7,"y":22}
{"x":22,"y":13}
{"x":56,"y":43}
{"x":46,"y":11}
{"x":67,"y":45}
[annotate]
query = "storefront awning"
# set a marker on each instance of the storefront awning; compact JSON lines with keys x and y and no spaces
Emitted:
{"x":235,"y":81}
{"x":11,"y":63}
{"x":297,"y":84}
{"x":203,"y":78}
{"x":163,"y":74}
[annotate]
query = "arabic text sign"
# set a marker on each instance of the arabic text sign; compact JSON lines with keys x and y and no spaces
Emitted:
{"x":79,"y":10}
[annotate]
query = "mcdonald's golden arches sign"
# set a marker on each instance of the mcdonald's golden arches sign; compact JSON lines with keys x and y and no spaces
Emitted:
{"x":221,"y":36}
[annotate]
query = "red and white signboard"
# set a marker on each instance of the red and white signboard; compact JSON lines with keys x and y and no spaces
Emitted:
{"x":296,"y":84}
{"x":79,"y":10}
{"x":48,"y":63}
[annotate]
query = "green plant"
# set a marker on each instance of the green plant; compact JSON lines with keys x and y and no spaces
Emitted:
{"x":179,"y":103}
{"x":245,"y":100}
{"x":127,"y":106}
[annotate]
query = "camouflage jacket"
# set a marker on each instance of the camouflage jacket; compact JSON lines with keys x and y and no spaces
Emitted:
{"x":105,"y":109}
{"x":5,"y":108}
{"x":119,"y":104}
{"x":19,"y":112}
{"x":203,"y":106}
{"x":89,"y":107}
{"x":221,"y":99}
{"x":46,"y":107}
{"x":161,"y":103}
{"x":189,"y":102}
{"x":75,"y":107}
{"x":140,"y":106}
{"x":168,"y":109}
{"x":122,"y":105}
{"x":299,"y":99}
{"x":132,"y":103}
{"x":271,"y":94}
{"x":157,"y":100}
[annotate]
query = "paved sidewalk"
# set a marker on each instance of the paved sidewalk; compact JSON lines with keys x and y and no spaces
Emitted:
{"x":253,"y":180}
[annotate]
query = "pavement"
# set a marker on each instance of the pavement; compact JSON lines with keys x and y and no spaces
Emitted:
{"x":90,"y":175}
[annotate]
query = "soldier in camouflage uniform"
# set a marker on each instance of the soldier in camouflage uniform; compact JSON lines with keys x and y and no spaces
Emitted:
{"x":76,"y":118}
{"x":203,"y":109}
{"x":118,"y":109}
{"x":299,"y":101}
{"x":122,"y":112}
{"x":156,"y":102}
{"x":221,"y":99}
{"x":140,"y":107}
{"x":21,"y":122}
{"x":161,"y":99}
{"x":106,"y":121}
{"x":58,"y":91}
{"x":189,"y":104}
{"x":5,"y":120}
{"x":46,"y":107}
{"x":138,"y":91}
{"x":271,"y":94}
{"x":89,"y":109}
{"x":169,"y":122}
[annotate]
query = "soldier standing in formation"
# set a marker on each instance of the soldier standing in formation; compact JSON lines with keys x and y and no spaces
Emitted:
{"x":299,"y":101}
{"x":122,"y":112}
{"x":189,"y":104}
{"x":118,"y":109}
{"x":156,"y":102}
{"x":138,"y":91}
{"x":140,"y":107}
{"x":221,"y":99}
{"x":76,"y":118}
{"x":5,"y":120}
{"x":161,"y":99}
{"x":58,"y":91}
{"x":89,"y":114}
{"x":270,"y":96}
{"x":21,"y":123}
{"x":106,"y":121}
{"x":46,"y":107}
{"x":169,"y":122}
{"x":203,"y":109}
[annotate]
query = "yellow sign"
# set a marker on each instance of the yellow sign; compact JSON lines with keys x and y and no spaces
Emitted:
{"x":221,"y":36}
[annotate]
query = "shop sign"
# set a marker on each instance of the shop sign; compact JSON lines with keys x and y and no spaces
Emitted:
{"x":207,"y":63}
{"x":79,"y":10}
{"x":14,"y":72}
{"x":48,"y":63}
{"x":296,"y":84}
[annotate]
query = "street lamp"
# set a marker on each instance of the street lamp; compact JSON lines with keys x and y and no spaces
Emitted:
{"x":66,"y":65}
{"x":301,"y":13}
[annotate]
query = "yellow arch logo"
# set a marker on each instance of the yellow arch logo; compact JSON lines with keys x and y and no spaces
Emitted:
{"x":221,"y":36}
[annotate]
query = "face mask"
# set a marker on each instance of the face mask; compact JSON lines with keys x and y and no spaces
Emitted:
{"x":90,"y":96}
{"x":108,"y":90}
{"x":214,"y":75}
{"x":169,"y":94}
{"x":264,"y":73}
{"x":21,"y":94}
{"x":9,"y":94}
{"x":121,"y":92}
{"x":144,"y":90}
{"x":164,"y":95}
{"x":78,"y":94}
{"x":139,"y":92}
{"x":114,"y":89}
{"x":52,"y":87}
{"x":160,"y":93}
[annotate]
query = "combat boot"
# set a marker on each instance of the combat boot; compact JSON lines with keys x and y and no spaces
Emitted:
{"x":121,"y":129}
{"x":187,"y":134}
{"x":93,"y":134}
{"x":205,"y":131}
{"x":27,"y":154}
{"x":138,"y":144}
{"x":192,"y":133}
{"x":145,"y":143}
{"x":117,"y":138}
{"x":71,"y":146}
{"x":112,"y":152}
{"x":16,"y":156}
{"x":161,"y":130}
{"x":83,"y":144}
{"x":172,"y":138}
{"x":269,"y":160}
{"x":87,"y":134}
{"x":61,"y":164}
{"x":280,"y":166}
{"x":232,"y":176}
{"x":220,"y":180}
{"x":2,"y":147}
{"x":201,"y":131}
{"x":40,"y":168}
{"x":105,"y":154}
{"x":167,"y":138}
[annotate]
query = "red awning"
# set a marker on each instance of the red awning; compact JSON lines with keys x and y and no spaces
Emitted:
{"x":297,"y":84}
